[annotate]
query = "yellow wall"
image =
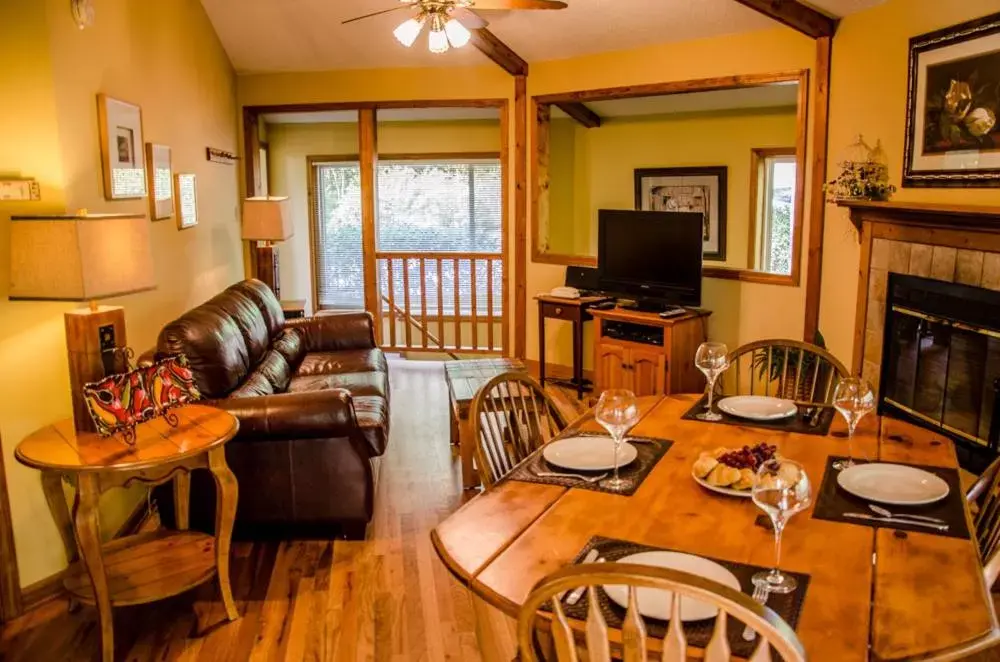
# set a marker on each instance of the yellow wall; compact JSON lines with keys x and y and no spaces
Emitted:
{"x":868,"y":96}
{"x":598,"y":172}
{"x":166,"y":58}
{"x":290,"y":144}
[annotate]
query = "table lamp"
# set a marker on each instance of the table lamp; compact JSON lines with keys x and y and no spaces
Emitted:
{"x":266,"y":219}
{"x":83,"y":257}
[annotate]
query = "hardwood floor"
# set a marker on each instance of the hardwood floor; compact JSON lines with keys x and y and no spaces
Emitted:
{"x":386,"y":598}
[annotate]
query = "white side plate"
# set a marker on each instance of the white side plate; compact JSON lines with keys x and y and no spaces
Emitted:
{"x":655,"y":603}
{"x":758,"y":407}
{"x":894,"y":484}
{"x":587,"y":453}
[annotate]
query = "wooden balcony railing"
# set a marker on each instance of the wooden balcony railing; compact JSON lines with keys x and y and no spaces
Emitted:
{"x":441,"y":302}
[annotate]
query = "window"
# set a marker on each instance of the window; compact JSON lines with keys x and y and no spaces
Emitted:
{"x":423,"y":207}
{"x":774,"y":180}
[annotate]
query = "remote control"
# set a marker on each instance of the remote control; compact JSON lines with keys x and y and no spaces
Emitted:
{"x":673,"y":311}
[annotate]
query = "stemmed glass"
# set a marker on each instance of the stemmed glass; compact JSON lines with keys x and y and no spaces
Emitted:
{"x":854,"y":399}
{"x":712,"y":358}
{"x":617,"y":411}
{"x":781,"y":489}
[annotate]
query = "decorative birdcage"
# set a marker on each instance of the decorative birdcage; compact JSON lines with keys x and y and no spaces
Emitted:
{"x":864,"y":174}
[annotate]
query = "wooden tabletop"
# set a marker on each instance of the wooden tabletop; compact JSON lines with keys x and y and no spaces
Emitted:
{"x":579,"y":301}
{"x":61,"y":447}
{"x":928,"y":590}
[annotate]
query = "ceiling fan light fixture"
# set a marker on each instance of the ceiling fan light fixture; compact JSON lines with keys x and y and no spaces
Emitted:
{"x":437,"y":40}
{"x":457,"y":33}
{"x":408,"y":31}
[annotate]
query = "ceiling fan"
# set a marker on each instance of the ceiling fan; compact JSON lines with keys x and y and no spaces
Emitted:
{"x":451,"y":20}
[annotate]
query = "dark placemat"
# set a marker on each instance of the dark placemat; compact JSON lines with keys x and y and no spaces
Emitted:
{"x":649,"y":451}
{"x":807,"y":421}
{"x":833,"y":501}
{"x":698,"y":633}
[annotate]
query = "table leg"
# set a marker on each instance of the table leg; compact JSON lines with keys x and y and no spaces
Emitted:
{"x":467,"y":449}
{"x":541,"y":347}
{"x":56,"y":498}
{"x":578,"y":358}
{"x":226,"y":495}
{"x":87,"y":526}
{"x":182,"y":500}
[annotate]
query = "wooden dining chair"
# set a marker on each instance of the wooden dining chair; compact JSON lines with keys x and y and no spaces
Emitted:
{"x":511,"y":416}
{"x":594,"y":636}
{"x":791,"y":369}
{"x":984,"y":499}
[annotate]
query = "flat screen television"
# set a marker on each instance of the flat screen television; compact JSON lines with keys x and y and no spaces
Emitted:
{"x":653,"y":257}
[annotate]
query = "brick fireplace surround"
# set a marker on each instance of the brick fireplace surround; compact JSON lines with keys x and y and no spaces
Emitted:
{"x":954,"y":244}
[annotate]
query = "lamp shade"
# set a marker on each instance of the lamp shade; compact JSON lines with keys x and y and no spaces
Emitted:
{"x":266,"y":219}
{"x":80,"y":258}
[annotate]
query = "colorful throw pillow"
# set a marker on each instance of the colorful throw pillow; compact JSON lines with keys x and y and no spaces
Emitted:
{"x":118,"y":403}
{"x":170,"y":383}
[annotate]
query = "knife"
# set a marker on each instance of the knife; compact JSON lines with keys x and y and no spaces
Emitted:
{"x":577,"y":593}
{"x":896,"y":520}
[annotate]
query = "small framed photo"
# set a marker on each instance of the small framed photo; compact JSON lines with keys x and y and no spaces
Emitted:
{"x":953,"y":103}
{"x":122,"y":154}
{"x":701,"y":190}
{"x":160,"y":182}
{"x":186,"y":194}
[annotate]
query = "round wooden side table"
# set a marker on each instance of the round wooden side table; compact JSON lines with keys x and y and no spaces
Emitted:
{"x":149,"y":566}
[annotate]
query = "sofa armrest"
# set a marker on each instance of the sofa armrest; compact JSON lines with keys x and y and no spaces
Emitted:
{"x":147,"y":358}
{"x":332,"y":332}
{"x":309,"y":415}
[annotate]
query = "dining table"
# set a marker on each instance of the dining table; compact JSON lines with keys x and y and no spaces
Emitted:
{"x":874,"y":593}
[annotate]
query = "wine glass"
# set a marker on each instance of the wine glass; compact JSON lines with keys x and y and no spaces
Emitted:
{"x":712,"y":358}
{"x":854,"y":399}
{"x":781,"y":489}
{"x":617,"y":411}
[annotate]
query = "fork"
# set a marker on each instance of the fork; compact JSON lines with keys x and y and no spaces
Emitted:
{"x":759,"y":596}
{"x":586,"y":479}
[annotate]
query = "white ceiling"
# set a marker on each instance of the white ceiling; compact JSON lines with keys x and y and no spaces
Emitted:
{"x":307,"y":35}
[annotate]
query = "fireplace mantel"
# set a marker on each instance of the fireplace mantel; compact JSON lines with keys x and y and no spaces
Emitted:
{"x":928,"y":215}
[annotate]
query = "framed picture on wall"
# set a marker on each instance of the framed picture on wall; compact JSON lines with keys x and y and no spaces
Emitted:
{"x":953,"y":103}
{"x":701,"y":190}
{"x":186,"y":193}
{"x":122,"y":153}
{"x":160,"y":182}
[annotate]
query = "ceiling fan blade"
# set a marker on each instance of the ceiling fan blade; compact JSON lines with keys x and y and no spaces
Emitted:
{"x":519,"y":4}
{"x":384,"y":11}
{"x":469,"y":19}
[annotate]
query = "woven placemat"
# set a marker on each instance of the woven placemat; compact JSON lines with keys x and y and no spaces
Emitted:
{"x":807,"y":421}
{"x":649,"y":450}
{"x":833,"y":501}
{"x":698,"y":633}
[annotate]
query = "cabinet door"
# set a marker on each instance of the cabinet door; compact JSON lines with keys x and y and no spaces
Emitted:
{"x":648,"y":370}
{"x":611,"y":371}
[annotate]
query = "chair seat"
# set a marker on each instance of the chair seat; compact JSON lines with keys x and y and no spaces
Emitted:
{"x":358,"y":383}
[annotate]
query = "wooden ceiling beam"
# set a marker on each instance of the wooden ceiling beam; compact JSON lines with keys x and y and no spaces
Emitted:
{"x":581,"y":114}
{"x":795,"y":15}
{"x":499,"y":52}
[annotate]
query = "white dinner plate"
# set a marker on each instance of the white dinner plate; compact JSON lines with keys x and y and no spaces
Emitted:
{"x":655,"y":603}
{"x":758,"y":407}
{"x":587,"y":453}
{"x":894,"y":484}
{"x":728,"y":491}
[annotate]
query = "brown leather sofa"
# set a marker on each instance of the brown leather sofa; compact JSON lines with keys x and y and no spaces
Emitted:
{"x":312,"y":398}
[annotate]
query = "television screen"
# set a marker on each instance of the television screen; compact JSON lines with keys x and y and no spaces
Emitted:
{"x":651,"y":255}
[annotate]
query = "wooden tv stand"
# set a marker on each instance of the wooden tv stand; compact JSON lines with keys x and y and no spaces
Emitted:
{"x":646,"y":353}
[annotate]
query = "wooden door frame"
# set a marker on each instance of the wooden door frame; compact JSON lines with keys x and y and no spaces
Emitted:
{"x":512,"y":273}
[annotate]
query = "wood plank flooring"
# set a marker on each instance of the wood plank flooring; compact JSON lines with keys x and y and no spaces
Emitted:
{"x":386,"y":598}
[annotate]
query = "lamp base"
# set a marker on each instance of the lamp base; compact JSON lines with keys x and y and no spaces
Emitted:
{"x":90,"y":333}
{"x":267,"y":267}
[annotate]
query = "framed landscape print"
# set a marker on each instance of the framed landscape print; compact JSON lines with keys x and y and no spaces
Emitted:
{"x":701,"y":190}
{"x":953,"y":103}
{"x":186,"y":194}
{"x":160,"y":182}
{"x":122,"y":154}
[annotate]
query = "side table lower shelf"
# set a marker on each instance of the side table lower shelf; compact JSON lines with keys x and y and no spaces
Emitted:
{"x":148,"y":567}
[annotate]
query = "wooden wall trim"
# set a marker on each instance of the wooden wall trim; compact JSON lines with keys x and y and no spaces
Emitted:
{"x":583,"y":115}
{"x":502,"y":54}
{"x":795,"y":15}
{"x":10,"y":580}
{"x":316,"y":106}
{"x":509,"y":274}
{"x":368,"y":156}
{"x":817,"y":201}
{"x":861,"y":311}
{"x":520,"y":214}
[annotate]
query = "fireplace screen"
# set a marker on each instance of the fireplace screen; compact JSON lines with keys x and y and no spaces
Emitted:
{"x":941,"y":358}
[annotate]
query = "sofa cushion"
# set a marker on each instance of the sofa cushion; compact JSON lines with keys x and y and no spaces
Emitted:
{"x":267,"y":303}
{"x":247,"y":316}
{"x":214,"y":347}
{"x":373,"y":419}
{"x":275,"y":369}
{"x":354,"y":360}
{"x":253,"y":386}
{"x":357,"y":383}
{"x":289,"y":344}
